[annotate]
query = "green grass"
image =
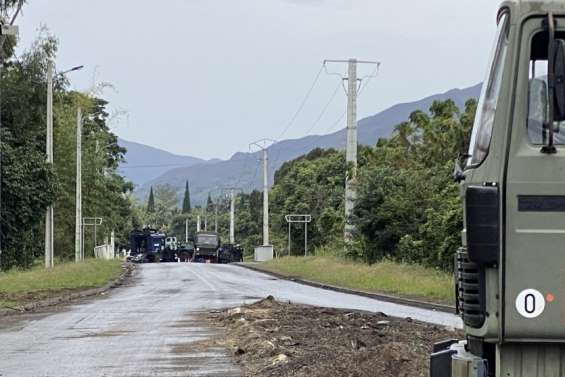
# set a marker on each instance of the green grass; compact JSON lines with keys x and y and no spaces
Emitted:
{"x":21,"y":286}
{"x":386,"y":277}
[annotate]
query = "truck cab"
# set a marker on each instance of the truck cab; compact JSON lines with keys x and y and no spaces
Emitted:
{"x":510,"y":268}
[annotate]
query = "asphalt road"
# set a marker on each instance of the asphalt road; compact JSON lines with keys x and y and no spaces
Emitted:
{"x":155,"y":326}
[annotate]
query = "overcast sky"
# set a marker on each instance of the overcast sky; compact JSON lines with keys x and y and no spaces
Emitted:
{"x":207,"y":77}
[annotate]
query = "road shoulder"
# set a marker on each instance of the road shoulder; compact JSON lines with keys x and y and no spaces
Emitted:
{"x":63,"y":297}
{"x":377,"y":296}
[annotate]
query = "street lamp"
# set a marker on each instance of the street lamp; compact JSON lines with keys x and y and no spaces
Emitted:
{"x":49,"y":237}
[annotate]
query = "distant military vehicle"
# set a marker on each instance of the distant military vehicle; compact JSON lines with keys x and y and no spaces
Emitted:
{"x":229,"y":253}
{"x":206,"y":247}
{"x":169,"y":254}
{"x":510,"y":269}
{"x":185,"y":251}
{"x":146,"y":245}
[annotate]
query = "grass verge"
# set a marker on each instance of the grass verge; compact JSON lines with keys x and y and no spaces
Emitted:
{"x":18,"y":287}
{"x":386,"y":277}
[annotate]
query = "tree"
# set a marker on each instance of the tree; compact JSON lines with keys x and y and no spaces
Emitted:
{"x":209,"y":203}
{"x":151,"y":202}
{"x":407,"y":205}
{"x":186,"y":200}
{"x":29,"y":185}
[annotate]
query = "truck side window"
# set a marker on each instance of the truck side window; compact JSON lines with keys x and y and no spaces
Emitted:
{"x":486,"y":110}
{"x":538,"y":105}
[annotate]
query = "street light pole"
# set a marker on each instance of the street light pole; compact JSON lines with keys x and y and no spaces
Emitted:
{"x":49,"y":233}
{"x":78,"y":212}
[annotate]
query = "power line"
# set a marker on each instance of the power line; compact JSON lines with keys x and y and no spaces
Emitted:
{"x":299,"y":110}
{"x":323,"y":112}
{"x":315,"y":123}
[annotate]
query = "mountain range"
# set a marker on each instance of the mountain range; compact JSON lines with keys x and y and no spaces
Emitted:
{"x":147,"y":166}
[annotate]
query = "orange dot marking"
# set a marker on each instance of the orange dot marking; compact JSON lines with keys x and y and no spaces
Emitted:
{"x":550,"y":297}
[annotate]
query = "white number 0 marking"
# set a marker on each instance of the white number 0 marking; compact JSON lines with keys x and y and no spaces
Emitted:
{"x":530,"y":303}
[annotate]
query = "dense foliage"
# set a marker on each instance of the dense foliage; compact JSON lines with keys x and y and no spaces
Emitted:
{"x":29,"y":184}
{"x":407,"y":205}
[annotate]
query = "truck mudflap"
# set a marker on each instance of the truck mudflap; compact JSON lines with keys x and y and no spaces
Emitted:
{"x":451,"y":359}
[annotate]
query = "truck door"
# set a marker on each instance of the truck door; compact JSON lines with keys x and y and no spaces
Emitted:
{"x":533,"y":279}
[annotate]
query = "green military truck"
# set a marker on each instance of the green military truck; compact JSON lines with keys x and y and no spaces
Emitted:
{"x":511,"y":267}
{"x":206,"y":247}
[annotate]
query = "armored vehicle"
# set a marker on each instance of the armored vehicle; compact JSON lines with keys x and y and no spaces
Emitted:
{"x":146,"y":245}
{"x":511,"y":267}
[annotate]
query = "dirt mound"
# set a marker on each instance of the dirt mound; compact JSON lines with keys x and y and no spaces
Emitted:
{"x":271,"y":338}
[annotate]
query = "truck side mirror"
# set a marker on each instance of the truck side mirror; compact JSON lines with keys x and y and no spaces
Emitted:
{"x":559,"y":72}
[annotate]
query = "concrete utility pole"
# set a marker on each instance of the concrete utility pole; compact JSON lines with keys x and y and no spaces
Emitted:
{"x":232,"y":218}
{"x":265,"y":198}
{"x":198,"y":223}
{"x":49,"y":151}
{"x":231,"y":191}
{"x":263,"y":146}
{"x":265,"y":251}
{"x":78,"y":218}
{"x":351,"y":144}
{"x":186,"y":231}
{"x":351,"y":148}
{"x":216,"y":217}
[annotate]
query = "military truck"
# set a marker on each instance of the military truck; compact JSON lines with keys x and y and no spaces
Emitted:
{"x":206,"y":246}
{"x":510,"y":269}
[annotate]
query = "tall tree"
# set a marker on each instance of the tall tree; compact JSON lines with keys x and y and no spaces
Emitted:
{"x":186,"y":201}
{"x":151,"y":202}
{"x":209,"y":203}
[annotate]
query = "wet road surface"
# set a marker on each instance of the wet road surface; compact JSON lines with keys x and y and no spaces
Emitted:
{"x":155,"y":325}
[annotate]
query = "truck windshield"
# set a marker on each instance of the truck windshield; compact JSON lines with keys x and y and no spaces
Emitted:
{"x":207,"y":239}
{"x":486,"y":110}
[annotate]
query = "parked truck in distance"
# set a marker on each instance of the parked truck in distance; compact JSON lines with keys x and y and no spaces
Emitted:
{"x":229,"y":253}
{"x":146,"y":245}
{"x":206,"y":247}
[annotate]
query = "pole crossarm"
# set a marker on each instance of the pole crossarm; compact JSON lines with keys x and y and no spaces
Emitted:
{"x":348,"y":60}
{"x":262,"y":144}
